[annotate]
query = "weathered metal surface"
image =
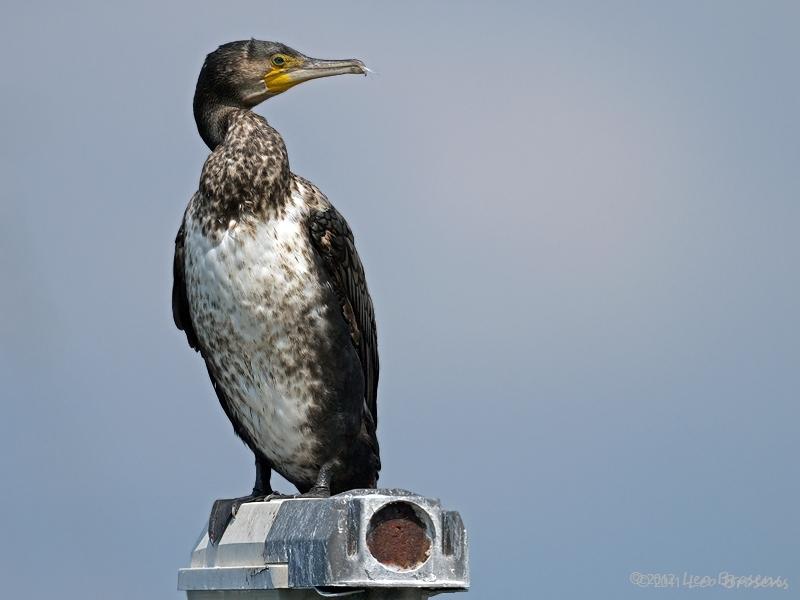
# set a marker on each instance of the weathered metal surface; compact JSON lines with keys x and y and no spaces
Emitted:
{"x":360,"y":540}
{"x":310,"y":594}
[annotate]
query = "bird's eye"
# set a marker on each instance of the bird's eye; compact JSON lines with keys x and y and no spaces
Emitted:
{"x":278,"y":60}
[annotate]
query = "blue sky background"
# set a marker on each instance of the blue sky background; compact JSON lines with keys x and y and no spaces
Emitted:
{"x":580,"y":227}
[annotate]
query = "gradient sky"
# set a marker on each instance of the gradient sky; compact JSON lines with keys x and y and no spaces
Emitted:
{"x":579,"y":222}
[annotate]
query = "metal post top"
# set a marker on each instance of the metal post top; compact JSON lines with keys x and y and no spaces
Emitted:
{"x":359,"y":539}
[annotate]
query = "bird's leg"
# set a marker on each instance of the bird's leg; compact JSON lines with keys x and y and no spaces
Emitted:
{"x":225,"y":509}
{"x":262,"y":486}
{"x":322,"y":487}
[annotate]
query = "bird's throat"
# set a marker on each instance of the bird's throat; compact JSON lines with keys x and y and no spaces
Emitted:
{"x":212,"y":116}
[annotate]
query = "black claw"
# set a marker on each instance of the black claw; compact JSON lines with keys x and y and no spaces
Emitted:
{"x":222,"y":514}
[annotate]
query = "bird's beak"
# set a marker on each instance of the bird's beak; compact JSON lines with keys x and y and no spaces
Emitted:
{"x":278,"y":81}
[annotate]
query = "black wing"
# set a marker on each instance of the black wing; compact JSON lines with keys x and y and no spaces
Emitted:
{"x":334,"y":241}
{"x":180,"y":302}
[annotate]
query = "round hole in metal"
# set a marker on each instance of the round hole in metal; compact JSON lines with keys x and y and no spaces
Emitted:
{"x":400,"y":536}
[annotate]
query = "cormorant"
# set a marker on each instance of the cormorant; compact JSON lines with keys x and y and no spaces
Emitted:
{"x":269,"y":288}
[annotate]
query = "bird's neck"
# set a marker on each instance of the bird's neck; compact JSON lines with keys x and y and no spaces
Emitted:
{"x":212,"y":115}
{"x":248,"y":171}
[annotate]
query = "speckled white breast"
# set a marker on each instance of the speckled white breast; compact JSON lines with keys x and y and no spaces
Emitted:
{"x":255,"y":302}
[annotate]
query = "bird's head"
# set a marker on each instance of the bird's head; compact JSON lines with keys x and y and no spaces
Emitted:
{"x":248,"y":72}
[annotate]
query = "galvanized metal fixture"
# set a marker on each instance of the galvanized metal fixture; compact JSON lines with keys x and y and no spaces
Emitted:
{"x":371,"y":544}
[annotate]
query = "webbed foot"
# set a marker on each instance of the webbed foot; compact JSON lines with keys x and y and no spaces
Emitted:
{"x":279,"y":496}
{"x":314,"y":492}
{"x":318,"y":491}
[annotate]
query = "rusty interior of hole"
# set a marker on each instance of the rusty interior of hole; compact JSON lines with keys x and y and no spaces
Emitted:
{"x":397,"y":537}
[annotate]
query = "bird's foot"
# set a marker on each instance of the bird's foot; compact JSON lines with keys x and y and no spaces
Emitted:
{"x":318,"y":491}
{"x":315,"y":492}
{"x":223,"y":512}
{"x":279,"y":496}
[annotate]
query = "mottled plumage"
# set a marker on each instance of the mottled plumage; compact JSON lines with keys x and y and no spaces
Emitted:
{"x":269,"y":288}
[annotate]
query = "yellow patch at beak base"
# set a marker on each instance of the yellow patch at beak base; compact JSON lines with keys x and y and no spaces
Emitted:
{"x":278,"y":81}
